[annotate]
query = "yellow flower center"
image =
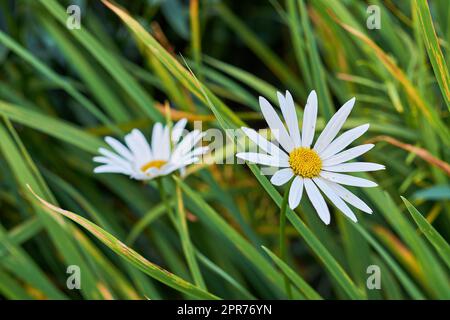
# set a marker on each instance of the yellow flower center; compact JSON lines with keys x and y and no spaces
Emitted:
{"x":153,"y":164}
{"x":305,"y":162}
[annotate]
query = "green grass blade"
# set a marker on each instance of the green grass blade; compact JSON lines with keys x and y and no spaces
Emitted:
{"x":433,"y":48}
{"x":432,"y":235}
{"x":129,"y":254}
{"x":51,"y":126}
{"x":297,"y":280}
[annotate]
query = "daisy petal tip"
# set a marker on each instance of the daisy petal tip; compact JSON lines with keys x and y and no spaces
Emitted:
{"x":292,"y":206}
{"x":240,"y":155}
{"x":312,"y":95}
{"x":288,"y":94}
{"x":275,"y":182}
{"x":96,"y":170}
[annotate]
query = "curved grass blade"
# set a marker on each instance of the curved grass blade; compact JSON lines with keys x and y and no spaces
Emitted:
{"x":109,"y":61}
{"x":433,"y":48}
{"x":224,"y":275}
{"x":297,"y":280}
{"x":432,"y":235}
{"x":129,"y":254}
{"x":51,"y":126}
{"x":57,"y":79}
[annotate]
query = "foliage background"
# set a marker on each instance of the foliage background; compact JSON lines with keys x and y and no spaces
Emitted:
{"x":62,"y":90}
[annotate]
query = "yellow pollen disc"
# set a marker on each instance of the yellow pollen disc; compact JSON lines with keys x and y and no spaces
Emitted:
{"x":153,"y":164}
{"x":305,"y":162}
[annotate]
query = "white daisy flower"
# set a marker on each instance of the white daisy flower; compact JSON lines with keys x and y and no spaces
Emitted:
{"x":141,"y":161}
{"x":313,"y":168}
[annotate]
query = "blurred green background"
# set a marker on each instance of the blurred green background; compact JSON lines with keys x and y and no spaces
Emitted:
{"x":62,"y":91}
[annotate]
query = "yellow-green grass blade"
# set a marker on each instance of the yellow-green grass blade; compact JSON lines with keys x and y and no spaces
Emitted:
{"x":253,"y":256}
{"x":116,"y":279}
{"x":298,"y":41}
{"x":51,"y":126}
{"x":402,"y":276}
{"x":11,"y":288}
{"x":150,"y":216}
{"x":57,"y":79}
{"x":18,"y":262}
{"x":224,"y":275}
{"x":431,"y":233}
{"x":128,"y":254}
{"x":317,"y":70}
{"x":261,"y":86}
{"x":356,"y":250}
{"x":196,"y":45}
{"x":379,"y":55}
{"x":296,"y":279}
{"x":105,"y":95}
{"x":23,"y":232}
{"x":57,"y":228}
{"x":186,"y":243}
{"x":260,"y":49}
{"x":332,"y":266}
{"x":108,"y":61}
{"x":433,"y":49}
{"x":434,"y":277}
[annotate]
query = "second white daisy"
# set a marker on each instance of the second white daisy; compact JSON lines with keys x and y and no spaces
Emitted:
{"x":316,"y":168}
{"x":141,"y":161}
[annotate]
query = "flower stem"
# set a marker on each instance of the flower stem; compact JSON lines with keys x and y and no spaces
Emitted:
{"x":180,"y":224}
{"x":186,"y":241}
{"x":162,"y":193}
{"x":283,"y":240}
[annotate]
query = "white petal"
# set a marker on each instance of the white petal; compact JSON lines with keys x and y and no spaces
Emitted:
{"x":183,"y":171}
{"x":263,"y":159}
{"x":135,"y":148}
{"x":186,"y":145}
{"x":156,"y":140}
{"x":346,"y":155}
{"x":282,"y":176}
{"x":119,"y":148}
{"x":334,"y":198}
{"x":197,"y":152}
{"x":169,"y":168}
{"x":111,"y":169}
{"x":309,"y":120}
{"x":347,"y":180}
{"x":152,"y":172}
{"x":317,"y":201}
{"x":264,"y":144}
{"x":333,"y":126}
{"x":275,"y":124}
{"x":290,"y":117}
{"x":178,"y":129}
{"x":343,"y":141}
{"x":144,"y":147}
{"x":165,"y":144}
{"x":115,"y":159}
{"x":349,"y":197}
{"x":295,"y":193}
{"x":354,"y":167}
{"x":102,"y":160}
